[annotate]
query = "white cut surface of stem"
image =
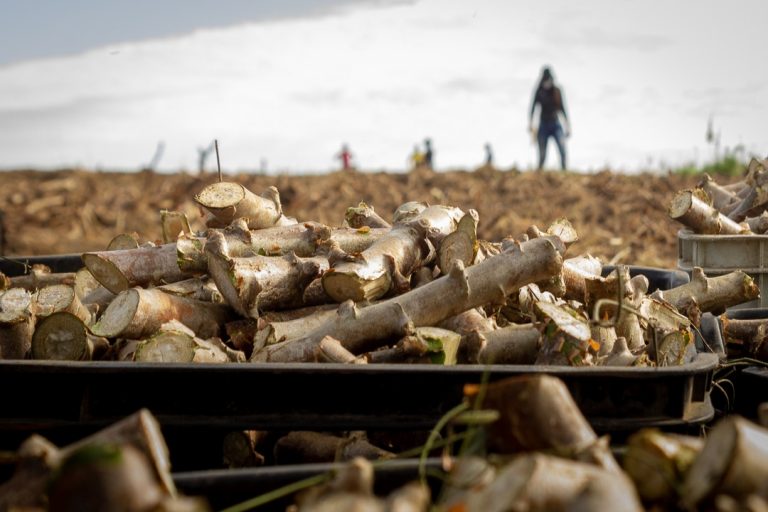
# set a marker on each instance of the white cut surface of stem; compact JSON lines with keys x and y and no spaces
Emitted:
{"x":228,"y":201}
{"x":123,"y":241}
{"x":734,"y":461}
{"x":60,"y":336}
{"x":119,"y":270}
{"x":60,"y":297}
{"x":690,"y":210}
{"x":137,"y":313}
{"x":173,"y":224}
{"x":142,"y":431}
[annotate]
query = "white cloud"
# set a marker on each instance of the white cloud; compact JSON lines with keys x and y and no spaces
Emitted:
{"x":291,"y":91}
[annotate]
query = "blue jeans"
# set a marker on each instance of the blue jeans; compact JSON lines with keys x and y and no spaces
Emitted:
{"x":549,"y":129}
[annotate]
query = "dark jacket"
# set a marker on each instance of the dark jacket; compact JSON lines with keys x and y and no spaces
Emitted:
{"x":551,"y":102}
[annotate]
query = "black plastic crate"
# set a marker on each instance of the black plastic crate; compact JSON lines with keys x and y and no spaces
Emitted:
{"x":13,"y":266}
{"x":323,"y":396}
{"x":658,"y":278}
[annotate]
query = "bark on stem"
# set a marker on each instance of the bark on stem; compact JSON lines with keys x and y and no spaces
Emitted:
{"x":17,"y":323}
{"x":332,"y":351}
{"x":719,"y":196}
{"x":228,"y":201}
{"x":389,"y":261}
{"x":303,"y":240}
{"x":426,"y":345}
{"x":576,"y":272}
{"x":746,"y":337}
{"x":538,"y":483}
{"x":174,"y":343}
{"x":468,"y":324}
{"x":715,"y":293}
{"x":513,"y":344}
{"x":138,"y":313}
{"x":657,"y":462}
{"x":119,"y":270}
{"x":197,"y":288}
{"x":304,"y":447}
{"x":734,"y":461}
{"x":539,"y":413}
{"x":40,"y":459}
{"x":461,"y":244}
{"x":688,"y":208}
{"x":39,"y":278}
{"x":488,"y":282}
{"x":759,"y":224}
{"x":363,"y":215}
{"x":260,"y":283}
{"x":270,"y":332}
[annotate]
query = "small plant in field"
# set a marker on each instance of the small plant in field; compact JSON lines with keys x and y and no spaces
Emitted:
{"x":728,"y":165}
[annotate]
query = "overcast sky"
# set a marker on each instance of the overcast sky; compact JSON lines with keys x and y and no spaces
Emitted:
{"x":98,"y":84}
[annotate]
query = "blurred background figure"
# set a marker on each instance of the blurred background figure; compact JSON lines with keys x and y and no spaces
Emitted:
{"x":346,"y":158}
{"x":549,"y":98}
{"x":416,"y":158}
{"x":428,"y":153}
{"x":488,"y":155}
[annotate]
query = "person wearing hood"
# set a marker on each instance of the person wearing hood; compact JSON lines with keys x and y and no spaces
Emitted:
{"x":549,"y":98}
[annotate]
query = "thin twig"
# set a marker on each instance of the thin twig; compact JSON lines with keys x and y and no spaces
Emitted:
{"x":280,"y":492}
{"x":218,"y":163}
{"x":447,"y":417}
{"x":24,"y":264}
{"x":744,"y":361}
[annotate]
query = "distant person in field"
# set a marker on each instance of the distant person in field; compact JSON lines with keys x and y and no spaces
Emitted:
{"x":416,"y":159}
{"x":549,"y":98}
{"x":428,"y":153}
{"x":488,"y":155}
{"x":346,"y":158}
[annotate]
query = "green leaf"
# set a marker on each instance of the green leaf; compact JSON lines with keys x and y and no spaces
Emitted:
{"x":433,"y":344}
{"x":437,"y":357}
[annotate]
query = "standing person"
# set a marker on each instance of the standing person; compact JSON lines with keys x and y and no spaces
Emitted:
{"x":488,"y":155}
{"x":346,"y":157}
{"x":549,"y":97}
{"x":416,"y":158}
{"x":428,"y":153}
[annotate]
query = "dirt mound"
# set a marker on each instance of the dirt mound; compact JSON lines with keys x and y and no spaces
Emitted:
{"x":620,"y":218}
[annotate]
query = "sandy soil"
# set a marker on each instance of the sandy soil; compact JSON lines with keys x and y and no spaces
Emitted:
{"x":619,"y":218}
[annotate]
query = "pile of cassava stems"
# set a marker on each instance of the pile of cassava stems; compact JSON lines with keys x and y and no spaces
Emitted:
{"x":545,"y":457}
{"x":737,"y":209}
{"x":257,"y":285}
